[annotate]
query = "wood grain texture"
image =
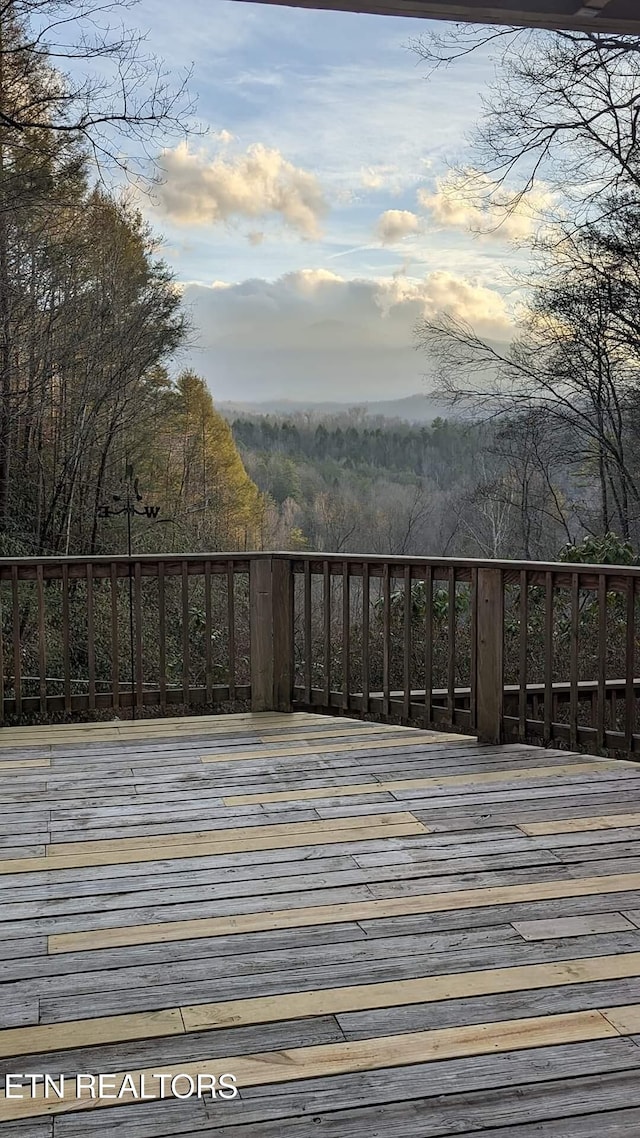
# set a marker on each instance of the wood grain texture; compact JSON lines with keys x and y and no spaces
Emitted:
{"x":348,"y":911}
{"x":149,"y":852}
{"x":579,"y":825}
{"x":370,"y":744}
{"x":23,"y":764}
{"x":338,"y":1058}
{"x":625,"y":1019}
{"x":510,"y":1086}
{"x":572,"y":926}
{"x":240,"y":834}
{"x":453,"y":986}
{"x":89,"y":1032}
{"x":346,"y":791}
{"x":353,"y":731}
{"x":326,"y":1001}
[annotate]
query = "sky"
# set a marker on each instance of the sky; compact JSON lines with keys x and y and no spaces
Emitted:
{"x":318,"y":217}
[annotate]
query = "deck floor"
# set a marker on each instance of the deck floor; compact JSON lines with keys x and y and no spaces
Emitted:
{"x":377,"y":931}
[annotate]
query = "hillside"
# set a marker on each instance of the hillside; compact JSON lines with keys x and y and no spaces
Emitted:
{"x":416,"y":408}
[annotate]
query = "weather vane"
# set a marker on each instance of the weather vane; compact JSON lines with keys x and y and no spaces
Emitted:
{"x":129,"y":505}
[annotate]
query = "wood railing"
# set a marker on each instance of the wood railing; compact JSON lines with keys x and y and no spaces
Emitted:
{"x":502,"y":649}
{"x":84,"y":634}
{"x":505,"y":650}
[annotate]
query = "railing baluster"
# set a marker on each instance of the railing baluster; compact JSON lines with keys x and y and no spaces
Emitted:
{"x":428,"y":646}
{"x":162,"y":638}
{"x":386,"y":639}
{"x":406,"y":706}
{"x":66,"y":662}
{"x":282,"y":578}
{"x":346,"y":633}
{"x":523,"y":606}
{"x":186,"y":662}
{"x":451,"y":647}
{"x":307,"y":630}
{"x":630,"y":695}
{"x":602,"y":658}
{"x":42,"y":641}
{"x":366,"y":683}
{"x":115,"y":651}
{"x":574,"y":660}
{"x":17,"y":662}
{"x":473,"y":678}
{"x":231,"y":627}
{"x":548,"y":657}
{"x":91,"y":647}
{"x":261,"y":633}
{"x":208,"y":661}
{"x":138,"y":623}
{"x":326,"y":597}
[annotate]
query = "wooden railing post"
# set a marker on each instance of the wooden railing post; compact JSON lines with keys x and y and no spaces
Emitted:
{"x":282,"y":592}
{"x":271,"y":621}
{"x":489,"y":655}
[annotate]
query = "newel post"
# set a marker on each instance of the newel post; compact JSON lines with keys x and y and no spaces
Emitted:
{"x":489,"y":655}
{"x":271,"y":627}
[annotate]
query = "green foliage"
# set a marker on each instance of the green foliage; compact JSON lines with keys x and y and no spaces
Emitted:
{"x":606,"y":550}
{"x":419,"y":599}
{"x":390,"y":446}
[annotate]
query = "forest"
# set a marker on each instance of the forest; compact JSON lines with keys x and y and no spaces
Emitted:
{"x":90,"y":323}
{"x":346,"y":483}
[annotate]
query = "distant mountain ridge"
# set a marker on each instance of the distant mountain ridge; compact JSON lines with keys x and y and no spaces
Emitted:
{"x":416,"y":408}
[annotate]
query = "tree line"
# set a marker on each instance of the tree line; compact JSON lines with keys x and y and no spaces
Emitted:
{"x":389,"y":445}
{"x":91,"y":319}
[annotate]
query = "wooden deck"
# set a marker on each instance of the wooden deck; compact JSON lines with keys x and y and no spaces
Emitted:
{"x":377,"y":930}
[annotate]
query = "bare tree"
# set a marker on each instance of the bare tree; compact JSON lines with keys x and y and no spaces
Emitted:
{"x":97,"y":82}
{"x":564,"y":107}
{"x":573,"y":371}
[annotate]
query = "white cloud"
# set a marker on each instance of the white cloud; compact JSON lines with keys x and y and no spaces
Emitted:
{"x":314,"y":334}
{"x":394,"y":224}
{"x":471,"y":201}
{"x":379,"y":310}
{"x":380,"y":177}
{"x":199,"y":190}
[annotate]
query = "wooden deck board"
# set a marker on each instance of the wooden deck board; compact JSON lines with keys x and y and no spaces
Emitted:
{"x":382,"y":930}
{"x":518,"y":1069}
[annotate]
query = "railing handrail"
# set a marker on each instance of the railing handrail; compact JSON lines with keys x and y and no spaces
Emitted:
{"x":144,"y":558}
{"x":463,"y":562}
{"x":333,"y":558}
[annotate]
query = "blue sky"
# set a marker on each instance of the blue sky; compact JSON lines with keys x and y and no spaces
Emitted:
{"x":316,"y":219}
